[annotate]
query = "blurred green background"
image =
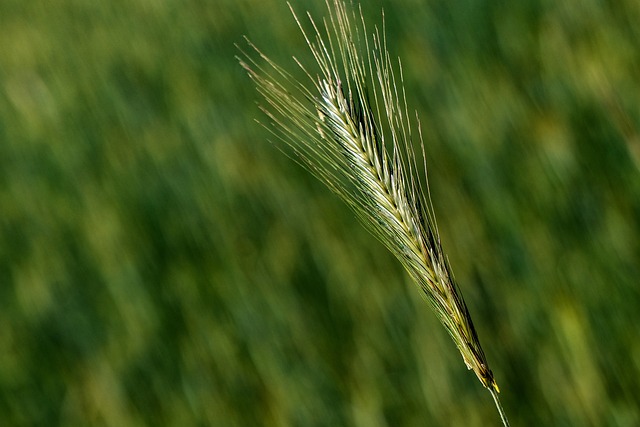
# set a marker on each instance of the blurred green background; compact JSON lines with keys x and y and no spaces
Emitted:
{"x":162,"y":264}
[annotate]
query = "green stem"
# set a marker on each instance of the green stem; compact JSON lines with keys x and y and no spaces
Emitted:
{"x":503,"y":416}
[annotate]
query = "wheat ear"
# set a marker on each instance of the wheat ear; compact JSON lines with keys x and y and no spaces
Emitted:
{"x":350,"y":127}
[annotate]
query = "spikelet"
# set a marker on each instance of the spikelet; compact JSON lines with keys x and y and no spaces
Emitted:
{"x":350,"y":127}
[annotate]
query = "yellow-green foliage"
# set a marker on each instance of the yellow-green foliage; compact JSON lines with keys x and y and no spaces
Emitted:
{"x":349,"y":126}
{"x":160,"y":264}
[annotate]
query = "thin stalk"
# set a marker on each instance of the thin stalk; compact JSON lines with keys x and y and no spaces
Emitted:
{"x":503,"y":415}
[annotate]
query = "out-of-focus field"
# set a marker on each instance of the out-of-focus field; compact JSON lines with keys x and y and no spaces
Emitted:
{"x":162,"y":264}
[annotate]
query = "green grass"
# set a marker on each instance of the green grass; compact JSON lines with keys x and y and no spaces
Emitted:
{"x":162,"y":264}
